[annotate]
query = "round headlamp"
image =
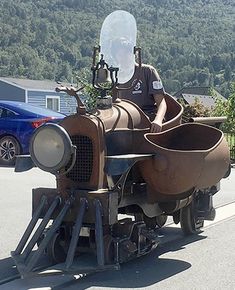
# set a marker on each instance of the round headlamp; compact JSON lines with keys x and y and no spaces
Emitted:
{"x":51,"y":148}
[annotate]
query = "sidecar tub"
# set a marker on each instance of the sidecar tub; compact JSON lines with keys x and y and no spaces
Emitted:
{"x":188,"y":156}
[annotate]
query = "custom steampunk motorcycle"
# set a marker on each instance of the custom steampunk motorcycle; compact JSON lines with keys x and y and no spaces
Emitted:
{"x":116,"y":182}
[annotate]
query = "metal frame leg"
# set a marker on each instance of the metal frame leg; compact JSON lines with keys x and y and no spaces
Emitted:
{"x":57,"y":222}
{"x":99,"y":233}
{"x":75,"y":234}
{"x":30,"y":227}
{"x":40,"y":229}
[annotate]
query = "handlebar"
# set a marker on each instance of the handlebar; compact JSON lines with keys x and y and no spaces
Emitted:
{"x":72,"y":91}
{"x":214,"y":121}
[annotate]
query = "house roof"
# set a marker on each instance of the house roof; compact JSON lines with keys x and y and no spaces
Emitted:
{"x":203,"y":94}
{"x":31,"y":84}
{"x":192,"y":90}
{"x":207,"y":101}
{"x":204,"y":91}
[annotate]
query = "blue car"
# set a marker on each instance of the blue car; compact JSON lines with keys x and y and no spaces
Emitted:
{"x":18,"y":121}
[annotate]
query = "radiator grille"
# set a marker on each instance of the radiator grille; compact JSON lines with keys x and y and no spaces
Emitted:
{"x":81,"y":172}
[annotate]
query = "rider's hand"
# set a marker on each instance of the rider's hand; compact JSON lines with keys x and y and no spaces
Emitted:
{"x":156,"y":126}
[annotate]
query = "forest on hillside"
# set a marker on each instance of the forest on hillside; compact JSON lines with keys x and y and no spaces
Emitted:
{"x":189,"y":42}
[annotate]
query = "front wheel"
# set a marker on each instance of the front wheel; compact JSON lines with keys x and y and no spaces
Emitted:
{"x":109,"y":249}
{"x":190,"y":223}
{"x":9,"y":148}
{"x":54,"y":250}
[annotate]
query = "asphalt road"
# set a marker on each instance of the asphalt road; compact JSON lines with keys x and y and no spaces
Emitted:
{"x":15,"y":203}
{"x":206,"y":261}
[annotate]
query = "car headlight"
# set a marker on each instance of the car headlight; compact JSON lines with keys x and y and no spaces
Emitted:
{"x":51,"y":148}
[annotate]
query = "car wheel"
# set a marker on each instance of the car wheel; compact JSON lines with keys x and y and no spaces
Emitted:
{"x":9,"y":148}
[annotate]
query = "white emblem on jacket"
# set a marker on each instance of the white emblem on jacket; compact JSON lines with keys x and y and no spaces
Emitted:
{"x":137,"y":88}
{"x":157,"y":85}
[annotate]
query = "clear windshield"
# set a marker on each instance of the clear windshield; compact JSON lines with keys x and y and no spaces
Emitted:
{"x":117,"y":42}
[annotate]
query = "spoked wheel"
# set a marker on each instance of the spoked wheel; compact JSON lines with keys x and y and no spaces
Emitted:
{"x":9,"y":148}
{"x":190,"y":223}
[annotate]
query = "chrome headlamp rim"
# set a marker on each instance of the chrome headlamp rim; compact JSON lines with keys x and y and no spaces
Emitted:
{"x":69,"y":149}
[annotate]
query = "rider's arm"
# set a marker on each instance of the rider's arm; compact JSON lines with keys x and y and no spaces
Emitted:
{"x":161,"y":105}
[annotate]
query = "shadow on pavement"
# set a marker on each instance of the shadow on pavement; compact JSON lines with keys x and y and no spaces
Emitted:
{"x":142,"y":272}
{"x":7,"y":166}
{"x":7,"y":268}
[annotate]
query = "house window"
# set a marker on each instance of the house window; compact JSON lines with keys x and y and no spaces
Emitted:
{"x":53,"y":103}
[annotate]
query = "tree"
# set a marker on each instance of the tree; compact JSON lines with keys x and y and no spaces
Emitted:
{"x":227,"y":73}
{"x":198,"y":50}
{"x":196,"y":109}
{"x":227,"y":108}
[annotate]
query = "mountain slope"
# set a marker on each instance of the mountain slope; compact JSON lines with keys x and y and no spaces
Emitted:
{"x":189,"y":42}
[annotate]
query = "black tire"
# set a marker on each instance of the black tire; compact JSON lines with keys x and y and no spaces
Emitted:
{"x":158,"y":221}
{"x":150,"y":222}
{"x":228,"y":171}
{"x":9,"y":148}
{"x":161,"y":220}
{"x":108,"y":250}
{"x":189,"y":222}
{"x":55,"y":251}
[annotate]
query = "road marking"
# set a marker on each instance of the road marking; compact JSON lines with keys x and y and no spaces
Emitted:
{"x":222,"y":213}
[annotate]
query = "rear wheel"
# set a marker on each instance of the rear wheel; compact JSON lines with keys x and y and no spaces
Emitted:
{"x":189,"y":221}
{"x":9,"y":148}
